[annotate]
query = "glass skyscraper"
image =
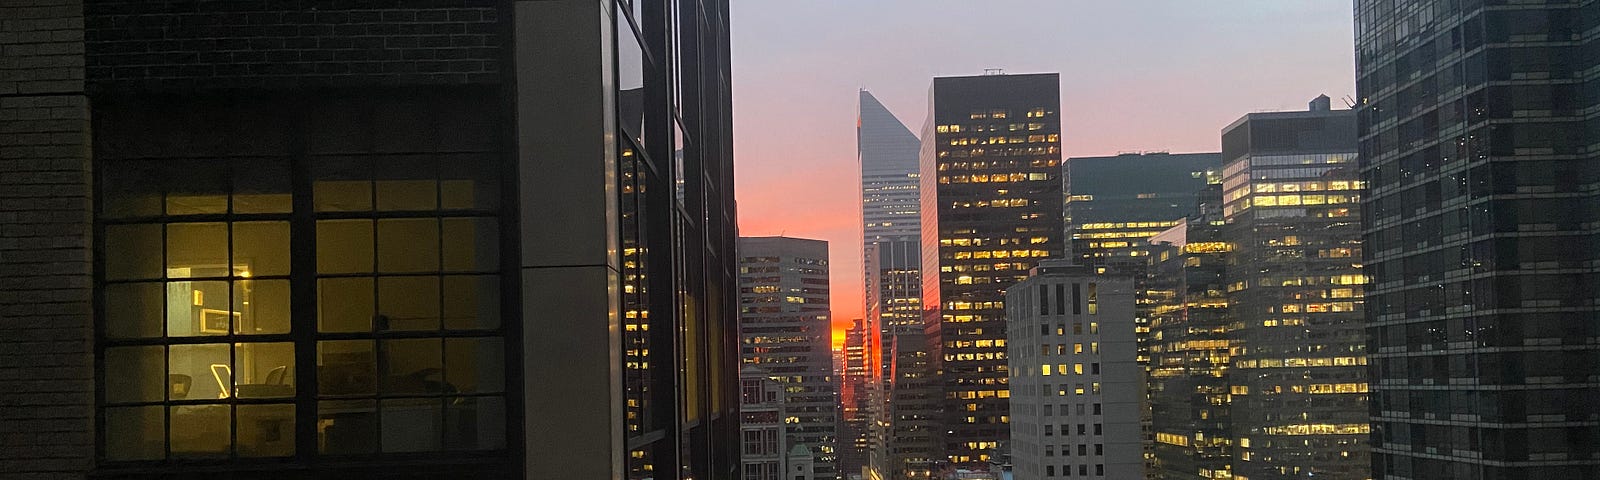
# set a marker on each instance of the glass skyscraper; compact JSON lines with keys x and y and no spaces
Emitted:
{"x":891,"y":238}
{"x":991,"y":210}
{"x":1480,"y":145}
{"x":374,"y":239}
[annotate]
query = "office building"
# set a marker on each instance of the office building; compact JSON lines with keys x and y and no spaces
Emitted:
{"x":1076,"y":389}
{"x":785,"y":329}
{"x":253,"y":239}
{"x":914,"y":416}
{"x":1116,"y":203}
{"x":892,"y":235}
{"x":763,"y":433}
{"x":1291,"y":198}
{"x":1479,"y":145}
{"x":1190,"y":347}
{"x":991,"y":210}
{"x":855,"y":398}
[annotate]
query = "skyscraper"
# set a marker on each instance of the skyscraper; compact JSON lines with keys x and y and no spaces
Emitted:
{"x":1116,"y":203}
{"x":1479,"y":145}
{"x":855,"y":414}
{"x":272,"y":241}
{"x":891,"y":237}
{"x":991,"y":209}
{"x":1298,"y":383}
{"x":785,"y":329}
{"x":1077,"y":391}
{"x":1191,"y":335}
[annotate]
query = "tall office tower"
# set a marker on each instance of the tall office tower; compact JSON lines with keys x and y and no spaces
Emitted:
{"x":1115,"y":204}
{"x":1190,"y":336}
{"x":887,"y":152}
{"x":1479,"y":145}
{"x":763,"y":433}
{"x":1299,"y":382}
{"x":914,"y":412}
{"x":785,"y":329}
{"x":991,"y":209}
{"x":253,"y":239}
{"x":854,"y":400}
{"x":1076,"y":389}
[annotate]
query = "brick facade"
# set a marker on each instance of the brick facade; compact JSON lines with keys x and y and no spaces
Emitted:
{"x":141,"y":44}
{"x":46,"y":369}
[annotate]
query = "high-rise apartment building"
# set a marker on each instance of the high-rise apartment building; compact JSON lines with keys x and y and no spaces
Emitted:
{"x":1191,"y":335}
{"x":1480,"y":144}
{"x":892,"y":235}
{"x":1076,"y":389}
{"x":1291,"y":198}
{"x":255,"y":239}
{"x":785,"y":329}
{"x":991,"y":210}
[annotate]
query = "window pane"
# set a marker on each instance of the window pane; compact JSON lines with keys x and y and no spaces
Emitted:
{"x":475,"y":423}
{"x":341,"y":184}
{"x":469,"y":181}
{"x":136,"y":433}
{"x":132,"y":251}
{"x":346,"y":367}
{"x":408,"y":245}
{"x":407,"y":183}
{"x":130,"y":188}
{"x":347,"y":427}
{"x":344,"y":305}
{"x":201,"y":431}
{"x":408,"y":303}
{"x":261,"y":248}
{"x":474,"y":365}
{"x":261,"y":185}
{"x":195,"y":187}
{"x":266,"y":430}
{"x":266,"y":370}
{"x":471,"y":244}
{"x":136,"y":374}
{"x":412,"y":424}
{"x":133,"y":310}
{"x":471,"y":302}
{"x":344,"y":246}
{"x":197,"y":250}
{"x":198,"y":308}
{"x":411,"y":366}
{"x":261,"y":306}
{"x":207,"y":366}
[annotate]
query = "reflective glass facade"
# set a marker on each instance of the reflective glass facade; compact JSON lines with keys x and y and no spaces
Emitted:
{"x":1480,"y":144}
{"x":991,"y":210}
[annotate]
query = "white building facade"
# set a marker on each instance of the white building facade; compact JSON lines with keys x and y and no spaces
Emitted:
{"x":1075,"y":385}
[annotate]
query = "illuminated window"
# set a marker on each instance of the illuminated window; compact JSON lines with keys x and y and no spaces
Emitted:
{"x":203,"y":346}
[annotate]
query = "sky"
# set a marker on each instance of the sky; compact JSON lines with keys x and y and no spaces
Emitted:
{"x":1136,"y":75}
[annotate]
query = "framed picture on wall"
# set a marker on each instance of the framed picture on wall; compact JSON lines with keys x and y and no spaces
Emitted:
{"x":216,"y":321}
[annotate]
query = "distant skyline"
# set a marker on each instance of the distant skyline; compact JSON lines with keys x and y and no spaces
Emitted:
{"x":1136,"y":76}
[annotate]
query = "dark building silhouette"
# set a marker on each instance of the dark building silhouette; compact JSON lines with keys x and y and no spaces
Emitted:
{"x":268,"y":239}
{"x":1479,"y":147}
{"x":991,"y":210}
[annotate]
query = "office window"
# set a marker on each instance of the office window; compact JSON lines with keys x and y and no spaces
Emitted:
{"x":206,"y":321}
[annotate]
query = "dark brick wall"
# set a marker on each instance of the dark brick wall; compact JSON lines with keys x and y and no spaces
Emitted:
{"x":182,"y":44}
{"x":46,"y":372}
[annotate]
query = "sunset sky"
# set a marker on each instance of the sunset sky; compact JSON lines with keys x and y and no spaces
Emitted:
{"x":1136,"y":75}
